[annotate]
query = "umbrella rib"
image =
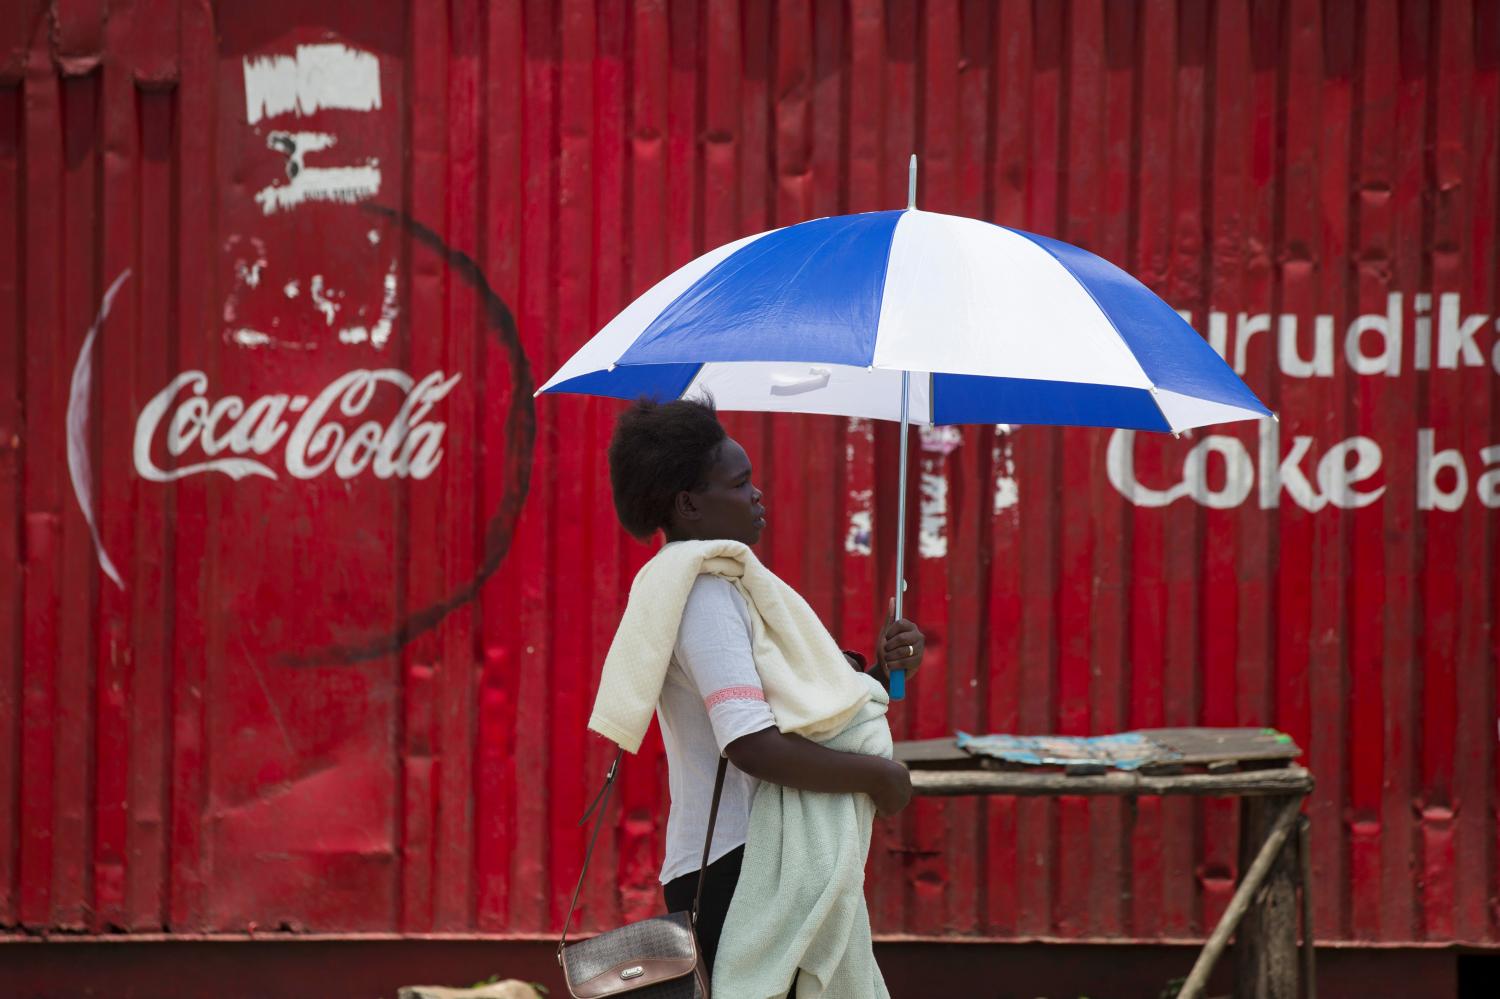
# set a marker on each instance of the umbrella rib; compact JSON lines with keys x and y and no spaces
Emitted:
{"x":1157,"y":402}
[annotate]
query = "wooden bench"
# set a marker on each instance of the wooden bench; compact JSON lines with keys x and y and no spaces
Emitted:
{"x":1253,"y":764}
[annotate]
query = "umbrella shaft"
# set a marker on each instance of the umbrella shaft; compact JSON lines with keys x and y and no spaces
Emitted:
{"x":901,"y":494}
{"x":898,"y":676}
{"x":911,"y":202}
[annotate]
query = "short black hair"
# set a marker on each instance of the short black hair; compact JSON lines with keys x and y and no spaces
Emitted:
{"x":658,"y":450}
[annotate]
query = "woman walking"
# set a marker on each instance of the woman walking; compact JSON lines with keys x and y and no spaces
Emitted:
{"x":744,"y":655}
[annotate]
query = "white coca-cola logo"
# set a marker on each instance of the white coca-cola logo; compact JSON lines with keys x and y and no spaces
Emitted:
{"x":314,"y":436}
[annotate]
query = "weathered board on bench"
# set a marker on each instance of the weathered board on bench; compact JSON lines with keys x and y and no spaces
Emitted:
{"x":1181,"y":749}
{"x":1044,"y":782}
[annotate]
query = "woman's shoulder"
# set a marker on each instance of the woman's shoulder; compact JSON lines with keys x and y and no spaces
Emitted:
{"x":709,"y":588}
{"x":714,"y":596}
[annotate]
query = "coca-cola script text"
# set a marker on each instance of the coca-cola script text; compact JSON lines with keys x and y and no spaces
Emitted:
{"x":313,"y":432}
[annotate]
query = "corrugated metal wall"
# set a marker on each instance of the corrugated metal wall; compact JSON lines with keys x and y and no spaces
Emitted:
{"x":302,"y":599}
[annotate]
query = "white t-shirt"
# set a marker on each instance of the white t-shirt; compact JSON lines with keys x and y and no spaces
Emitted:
{"x":711,"y":697}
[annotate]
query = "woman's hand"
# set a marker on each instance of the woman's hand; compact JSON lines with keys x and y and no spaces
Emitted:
{"x":900,"y":646}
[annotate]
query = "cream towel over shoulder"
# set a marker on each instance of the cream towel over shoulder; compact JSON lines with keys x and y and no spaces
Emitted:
{"x":807,"y":681}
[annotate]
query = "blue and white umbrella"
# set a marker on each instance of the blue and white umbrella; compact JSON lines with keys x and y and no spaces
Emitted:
{"x":918,"y":317}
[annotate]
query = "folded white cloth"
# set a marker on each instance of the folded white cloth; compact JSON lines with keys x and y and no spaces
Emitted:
{"x":806,"y":679}
{"x":799,"y":906}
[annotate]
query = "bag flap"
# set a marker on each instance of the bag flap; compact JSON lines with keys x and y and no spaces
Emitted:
{"x":632,"y":957}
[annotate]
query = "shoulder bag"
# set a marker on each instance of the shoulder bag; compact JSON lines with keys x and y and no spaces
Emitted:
{"x":655,"y":958}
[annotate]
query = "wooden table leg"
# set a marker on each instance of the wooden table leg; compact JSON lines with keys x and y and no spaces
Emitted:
{"x":1265,"y":948}
{"x":1285,"y":811}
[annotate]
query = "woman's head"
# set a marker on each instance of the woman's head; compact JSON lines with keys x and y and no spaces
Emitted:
{"x":674,"y":469}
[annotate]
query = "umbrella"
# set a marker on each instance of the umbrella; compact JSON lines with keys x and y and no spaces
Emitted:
{"x":917,"y":317}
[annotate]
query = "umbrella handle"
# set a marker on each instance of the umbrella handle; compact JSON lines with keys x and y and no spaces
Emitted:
{"x":899,"y":675}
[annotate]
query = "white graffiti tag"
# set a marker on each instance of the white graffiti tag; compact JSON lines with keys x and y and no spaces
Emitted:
{"x":409,"y":446}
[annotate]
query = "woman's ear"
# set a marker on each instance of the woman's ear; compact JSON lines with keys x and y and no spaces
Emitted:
{"x":685,"y":506}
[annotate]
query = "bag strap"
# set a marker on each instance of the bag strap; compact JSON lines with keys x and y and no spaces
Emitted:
{"x":708,"y":838}
{"x":601,"y":805}
{"x":601,"y":802}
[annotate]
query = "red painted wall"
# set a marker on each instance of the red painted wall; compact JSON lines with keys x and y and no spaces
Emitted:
{"x":302,"y":596}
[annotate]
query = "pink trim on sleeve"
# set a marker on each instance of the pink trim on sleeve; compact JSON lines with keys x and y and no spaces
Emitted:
{"x":741,"y":693}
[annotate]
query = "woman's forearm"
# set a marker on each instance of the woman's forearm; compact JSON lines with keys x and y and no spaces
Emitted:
{"x":796,"y":762}
{"x":793,"y":761}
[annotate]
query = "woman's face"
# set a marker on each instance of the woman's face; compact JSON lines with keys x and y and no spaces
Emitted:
{"x":728,"y":507}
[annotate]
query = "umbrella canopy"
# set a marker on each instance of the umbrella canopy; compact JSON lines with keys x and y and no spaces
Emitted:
{"x":913,"y":316}
{"x":994,"y":324}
